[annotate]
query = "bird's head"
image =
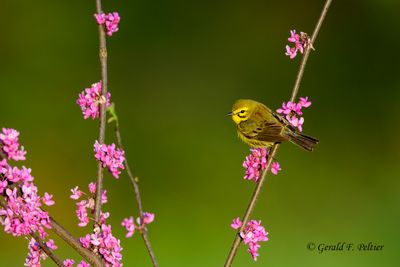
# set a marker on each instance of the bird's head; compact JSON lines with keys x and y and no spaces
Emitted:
{"x":242,"y":110}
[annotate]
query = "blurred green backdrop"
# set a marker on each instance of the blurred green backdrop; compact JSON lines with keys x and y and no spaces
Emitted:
{"x":175,"y":68}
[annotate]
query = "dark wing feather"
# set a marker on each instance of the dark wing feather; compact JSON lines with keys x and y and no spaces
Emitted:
{"x":268,"y":131}
{"x":271,"y":132}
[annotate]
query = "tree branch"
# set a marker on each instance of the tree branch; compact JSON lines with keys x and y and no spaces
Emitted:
{"x":103,"y":109}
{"x":274,"y":149}
{"x":75,"y":244}
{"x":135,"y":186}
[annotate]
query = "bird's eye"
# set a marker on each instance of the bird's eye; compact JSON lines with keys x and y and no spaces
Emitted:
{"x":242,"y":111}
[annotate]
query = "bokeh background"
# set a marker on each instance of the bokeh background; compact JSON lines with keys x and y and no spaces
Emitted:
{"x":175,"y":68}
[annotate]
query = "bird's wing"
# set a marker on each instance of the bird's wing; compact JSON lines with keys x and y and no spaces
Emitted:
{"x":270,"y":131}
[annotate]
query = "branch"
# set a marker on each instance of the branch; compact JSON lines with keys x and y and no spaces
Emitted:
{"x":274,"y":149}
{"x":308,"y":49}
{"x":135,"y":186}
{"x":75,"y":244}
{"x":103,"y":108}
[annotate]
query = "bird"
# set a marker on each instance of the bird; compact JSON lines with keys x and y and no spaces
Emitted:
{"x":258,"y":126}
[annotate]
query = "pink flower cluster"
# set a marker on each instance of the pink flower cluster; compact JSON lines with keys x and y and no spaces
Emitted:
{"x":293,"y":113}
{"x":106,"y":244}
{"x":22,"y":213}
{"x":102,"y":239}
{"x":257,"y":162}
{"x":110,"y":20}
{"x":10,"y":146}
{"x":90,"y":99}
{"x":252,"y":234}
{"x":110,"y":157}
{"x":130,"y":226}
{"x":35,"y":253}
{"x":301,"y":41}
{"x":88,"y":203}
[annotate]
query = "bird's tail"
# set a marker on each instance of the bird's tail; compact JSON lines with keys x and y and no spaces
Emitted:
{"x":304,"y":141}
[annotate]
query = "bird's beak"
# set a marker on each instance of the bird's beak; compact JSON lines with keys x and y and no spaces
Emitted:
{"x":230,"y":113}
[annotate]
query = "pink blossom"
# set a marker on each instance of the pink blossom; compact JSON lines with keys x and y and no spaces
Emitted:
{"x":92,"y":188}
{"x":81,"y":213}
{"x":293,"y":112}
{"x":84,"y":206}
{"x":304,"y":102}
{"x":129,"y":226}
{"x":109,"y":247}
{"x":294,"y":37}
{"x":101,"y":239}
{"x":103,"y":217}
{"x":95,"y":239}
{"x":48,"y":199}
{"x":3,"y":185}
{"x":148,"y":217}
{"x":83,"y":264}
{"x":85,"y":241}
{"x":35,"y":254}
{"x":9,"y":144}
{"x":51,"y":245}
{"x":16,"y":175}
{"x":76,"y":193}
{"x":90,"y":99}
{"x":236,"y":223}
{"x":275,"y":167}
{"x":255,"y":163}
{"x":252,"y":234}
{"x":301,"y":42}
{"x":104,"y":198}
{"x":110,"y":157}
{"x":23,"y":214}
{"x":291,"y":52}
{"x":110,"y":20}
{"x":69,"y":263}
{"x":100,"y":18}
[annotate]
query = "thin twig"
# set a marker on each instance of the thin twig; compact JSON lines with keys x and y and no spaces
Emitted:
{"x":135,"y":186}
{"x":308,"y":50}
{"x":103,"y":110}
{"x":274,"y":149}
{"x":250,"y":207}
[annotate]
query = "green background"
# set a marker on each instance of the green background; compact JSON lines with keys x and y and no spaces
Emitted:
{"x":175,"y":68}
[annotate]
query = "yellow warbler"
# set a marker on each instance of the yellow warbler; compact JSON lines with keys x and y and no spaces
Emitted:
{"x":258,"y":126}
